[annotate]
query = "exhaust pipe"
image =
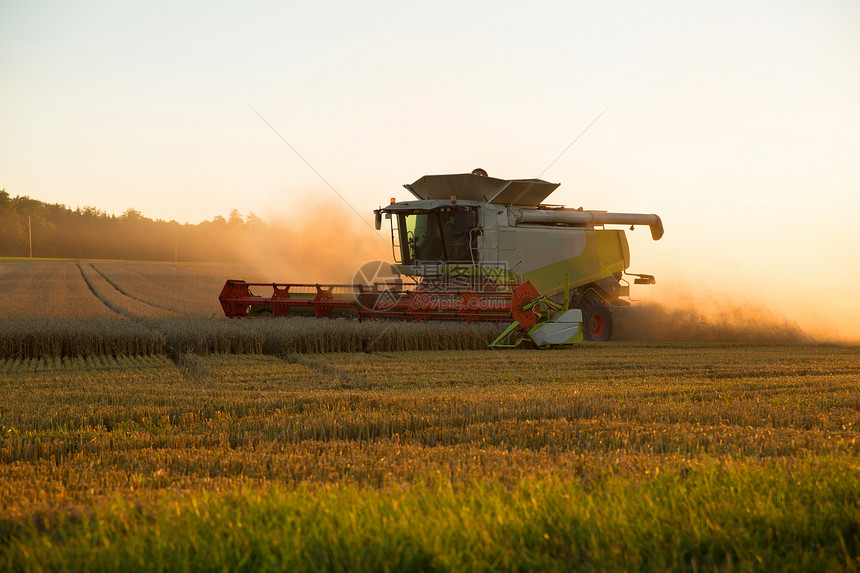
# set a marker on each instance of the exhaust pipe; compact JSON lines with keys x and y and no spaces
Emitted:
{"x":589,"y":219}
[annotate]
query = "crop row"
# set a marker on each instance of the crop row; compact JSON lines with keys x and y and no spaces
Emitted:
{"x":25,"y":339}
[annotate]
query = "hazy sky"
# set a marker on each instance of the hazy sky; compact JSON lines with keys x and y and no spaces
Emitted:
{"x":737,"y":122}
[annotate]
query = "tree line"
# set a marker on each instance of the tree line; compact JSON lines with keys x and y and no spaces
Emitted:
{"x":89,"y":233}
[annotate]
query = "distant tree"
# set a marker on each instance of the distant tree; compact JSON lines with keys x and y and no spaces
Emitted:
{"x":236,"y":221}
{"x":88,"y":232}
{"x":252,"y":221}
{"x":132,"y":214}
{"x":10,"y":226}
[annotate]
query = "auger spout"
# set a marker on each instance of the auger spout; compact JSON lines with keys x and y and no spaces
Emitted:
{"x":588,"y":219}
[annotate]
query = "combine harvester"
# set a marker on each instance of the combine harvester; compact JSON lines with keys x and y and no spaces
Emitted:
{"x":473,"y":248}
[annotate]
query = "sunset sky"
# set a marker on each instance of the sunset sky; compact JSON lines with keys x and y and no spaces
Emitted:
{"x":737,"y":122}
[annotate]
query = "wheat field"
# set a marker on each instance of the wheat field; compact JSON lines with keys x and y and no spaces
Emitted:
{"x":146,"y":436}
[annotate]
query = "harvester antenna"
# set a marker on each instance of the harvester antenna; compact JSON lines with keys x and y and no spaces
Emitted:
{"x":587,"y":127}
{"x":329,"y":185}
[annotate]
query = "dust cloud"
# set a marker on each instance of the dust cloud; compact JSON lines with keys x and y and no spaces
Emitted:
{"x":707,"y":319}
{"x":318,"y":244}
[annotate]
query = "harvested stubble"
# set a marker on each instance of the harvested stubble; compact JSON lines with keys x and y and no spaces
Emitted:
{"x":187,"y":289}
{"x":47,"y":289}
{"x":69,"y":364}
{"x":43,"y":289}
{"x":159,"y":305}
{"x":548,"y":408}
{"x":118,"y":301}
{"x":24,"y":339}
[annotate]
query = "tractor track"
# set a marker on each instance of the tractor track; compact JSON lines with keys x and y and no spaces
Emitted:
{"x":129,"y":295}
{"x":118,"y":308}
{"x":120,"y":311}
{"x":190,"y":367}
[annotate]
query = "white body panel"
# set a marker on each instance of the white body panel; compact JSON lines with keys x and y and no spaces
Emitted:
{"x":565,"y":329}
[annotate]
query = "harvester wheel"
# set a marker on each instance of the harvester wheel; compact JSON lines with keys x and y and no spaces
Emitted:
{"x":597,"y":320}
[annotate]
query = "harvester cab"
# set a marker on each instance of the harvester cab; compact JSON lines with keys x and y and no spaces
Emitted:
{"x":475,"y":248}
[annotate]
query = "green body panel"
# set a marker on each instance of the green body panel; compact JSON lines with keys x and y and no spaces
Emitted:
{"x":606,"y":252}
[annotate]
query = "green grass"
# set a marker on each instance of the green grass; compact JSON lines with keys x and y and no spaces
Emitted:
{"x":599,"y":457}
{"x":733,"y":516}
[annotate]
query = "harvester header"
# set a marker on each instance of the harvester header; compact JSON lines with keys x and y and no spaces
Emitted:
{"x":470,"y":247}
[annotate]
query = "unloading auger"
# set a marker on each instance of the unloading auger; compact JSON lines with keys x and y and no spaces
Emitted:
{"x":473,"y":248}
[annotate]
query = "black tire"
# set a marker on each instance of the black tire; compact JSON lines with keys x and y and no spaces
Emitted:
{"x":596,"y":320}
